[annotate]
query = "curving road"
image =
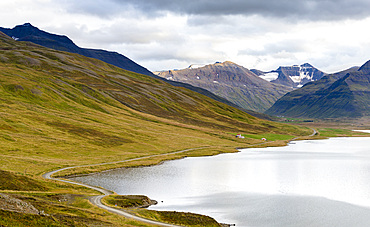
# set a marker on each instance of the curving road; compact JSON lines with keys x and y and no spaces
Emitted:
{"x":96,"y":200}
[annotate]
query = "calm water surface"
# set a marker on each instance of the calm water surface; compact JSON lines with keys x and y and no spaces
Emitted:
{"x":308,"y":183}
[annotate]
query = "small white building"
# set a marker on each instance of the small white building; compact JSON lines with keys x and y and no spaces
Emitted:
{"x":240,"y":136}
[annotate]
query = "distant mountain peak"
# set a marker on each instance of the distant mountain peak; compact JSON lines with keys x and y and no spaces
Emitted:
{"x":27,"y":25}
{"x":343,"y":94}
{"x":307,"y":65}
{"x":225,"y":63}
{"x":232,"y":82}
{"x":217,"y":63}
{"x":293,"y":76}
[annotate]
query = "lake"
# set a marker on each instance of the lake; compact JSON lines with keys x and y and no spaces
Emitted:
{"x":307,"y":183}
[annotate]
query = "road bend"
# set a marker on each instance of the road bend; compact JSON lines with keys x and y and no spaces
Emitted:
{"x":96,"y":200}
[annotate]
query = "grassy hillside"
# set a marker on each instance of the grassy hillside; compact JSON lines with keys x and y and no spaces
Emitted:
{"x":27,"y":32}
{"x":341,"y":95}
{"x":60,"y":109}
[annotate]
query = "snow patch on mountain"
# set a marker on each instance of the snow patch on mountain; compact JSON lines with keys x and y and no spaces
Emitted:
{"x":195,"y":66}
{"x":304,"y":73}
{"x":270,"y":76}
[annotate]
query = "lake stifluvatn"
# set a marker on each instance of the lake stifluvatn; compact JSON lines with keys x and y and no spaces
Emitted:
{"x":307,"y":183}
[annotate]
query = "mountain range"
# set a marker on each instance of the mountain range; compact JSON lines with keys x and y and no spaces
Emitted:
{"x":30,"y":33}
{"x":237,"y":86}
{"x":54,"y":78}
{"x":232,"y":82}
{"x":292,"y":76}
{"x":341,"y":95}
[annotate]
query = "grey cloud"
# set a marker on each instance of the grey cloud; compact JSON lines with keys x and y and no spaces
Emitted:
{"x":101,"y":8}
{"x":208,"y":20}
{"x":298,"y":9}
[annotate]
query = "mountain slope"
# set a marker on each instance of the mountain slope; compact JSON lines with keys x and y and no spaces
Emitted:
{"x":344,"y":94}
{"x":53,"y":80}
{"x":66,"y":109}
{"x":232,"y":82}
{"x":27,"y":32}
{"x":293,"y":76}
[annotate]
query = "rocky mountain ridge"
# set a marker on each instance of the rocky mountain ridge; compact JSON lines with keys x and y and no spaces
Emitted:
{"x":293,"y":76}
{"x":232,"y":82}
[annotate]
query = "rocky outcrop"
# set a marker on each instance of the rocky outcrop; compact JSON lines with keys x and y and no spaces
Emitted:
{"x":9,"y":203}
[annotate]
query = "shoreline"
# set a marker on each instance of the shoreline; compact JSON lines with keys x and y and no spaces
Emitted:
{"x":96,"y":200}
{"x":237,"y":149}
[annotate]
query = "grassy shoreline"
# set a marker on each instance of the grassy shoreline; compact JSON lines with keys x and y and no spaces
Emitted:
{"x":323,"y":133}
{"x":58,"y":189}
{"x":157,"y":216}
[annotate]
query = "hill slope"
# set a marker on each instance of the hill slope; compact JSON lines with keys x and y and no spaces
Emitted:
{"x":78,"y":106}
{"x":27,"y":32}
{"x":232,"y":82}
{"x":344,"y":94}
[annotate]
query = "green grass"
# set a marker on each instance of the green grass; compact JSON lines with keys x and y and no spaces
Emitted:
{"x":128,"y":201}
{"x":269,"y":136}
{"x":179,"y":218}
{"x":17,"y":182}
{"x":331,"y":132}
{"x":55,"y":211}
{"x":60,"y":109}
{"x":19,"y":220}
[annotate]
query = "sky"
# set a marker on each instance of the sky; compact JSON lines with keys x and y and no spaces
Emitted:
{"x":332,"y":35}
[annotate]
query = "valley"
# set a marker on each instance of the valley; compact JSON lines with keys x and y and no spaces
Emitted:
{"x":61,"y":110}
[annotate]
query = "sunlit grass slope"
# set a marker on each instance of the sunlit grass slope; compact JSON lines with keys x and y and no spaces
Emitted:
{"x":60,"y":109}
{"x":65,"y":109}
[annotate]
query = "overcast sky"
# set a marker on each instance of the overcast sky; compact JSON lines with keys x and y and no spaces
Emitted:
{"x":172,"y":34}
